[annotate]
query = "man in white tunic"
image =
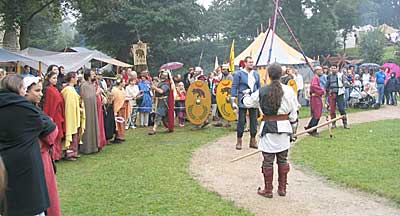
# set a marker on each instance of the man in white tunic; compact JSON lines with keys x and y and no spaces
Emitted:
{"x":279,"y":105}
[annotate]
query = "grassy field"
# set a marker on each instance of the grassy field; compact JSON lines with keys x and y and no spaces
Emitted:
{"x":367,"y":157}
{"x":146,"y":175}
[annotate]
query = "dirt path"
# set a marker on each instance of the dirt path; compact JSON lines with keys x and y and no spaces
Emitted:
{"x":307,"y":194}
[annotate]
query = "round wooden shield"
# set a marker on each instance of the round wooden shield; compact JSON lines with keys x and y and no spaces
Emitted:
{"x":223,"y":100}
{"x":198,"y":102}
{"x":293,"y":84}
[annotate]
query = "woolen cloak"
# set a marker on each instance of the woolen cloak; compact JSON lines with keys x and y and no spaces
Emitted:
{"x":92,"y":132}
{"x":20,"y":127}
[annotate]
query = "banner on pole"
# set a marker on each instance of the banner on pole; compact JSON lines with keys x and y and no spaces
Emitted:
{"x":139,"y":53}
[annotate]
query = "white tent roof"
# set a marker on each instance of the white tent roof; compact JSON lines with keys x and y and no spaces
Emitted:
{"x":281,"y":51}
{"x":72,"y":61}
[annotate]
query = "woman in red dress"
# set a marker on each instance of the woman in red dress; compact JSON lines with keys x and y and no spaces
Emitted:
{"x":46,"y":139}
{"x":53,"y":106}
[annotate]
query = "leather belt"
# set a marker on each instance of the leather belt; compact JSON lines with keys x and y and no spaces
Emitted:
{"x":276,"y":118}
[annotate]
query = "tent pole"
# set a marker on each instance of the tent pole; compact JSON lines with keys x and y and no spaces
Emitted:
{"x":40,"y":69}
{"x":273,"y":30}
{"x":295,"y":39}
{"x":262,"y":47}
{"x":18,"y":69}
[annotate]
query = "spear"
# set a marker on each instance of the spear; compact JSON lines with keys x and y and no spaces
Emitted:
{"x":296,"y":135}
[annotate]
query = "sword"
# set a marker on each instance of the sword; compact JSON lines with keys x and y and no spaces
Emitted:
{"x":296,"y":135}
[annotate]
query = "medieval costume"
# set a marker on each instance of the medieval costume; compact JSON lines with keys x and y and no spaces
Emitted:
{"x":316,"y":105}
{"x":20,"y":127}
{"x":245,"y":81}
{"x":164,"y":95}
{"x":46,"y":141}
{"x":109,"y":118}
{"x":54,"y":107}
{"x":279,"y":123}
{"x":121,"y":110}
{"x":100,"y":116}
{"x":74,"y":120}
{"x":144,"y":100}
{"x":180,"y":103}
{"x":92,"y":133}
{"x":335,"y":88}
{"x":132,"y":90}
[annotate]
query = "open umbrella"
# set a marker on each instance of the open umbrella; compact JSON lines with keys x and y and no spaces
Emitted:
{"x":370,"y":66}
{"x":393,"y":68}
{"x":172,"y":65}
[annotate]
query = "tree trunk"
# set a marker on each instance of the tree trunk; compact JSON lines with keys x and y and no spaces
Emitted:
{"x":344,"y":41}
{"x":23,"y":36}
{"x":10,"y":40}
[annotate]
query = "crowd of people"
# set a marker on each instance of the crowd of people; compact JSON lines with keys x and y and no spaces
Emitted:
{"x":64,"y":115}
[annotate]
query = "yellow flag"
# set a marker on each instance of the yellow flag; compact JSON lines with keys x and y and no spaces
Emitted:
{"x":232,"y":58}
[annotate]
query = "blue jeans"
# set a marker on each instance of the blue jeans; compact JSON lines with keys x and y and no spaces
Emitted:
{"x":381,"y":92}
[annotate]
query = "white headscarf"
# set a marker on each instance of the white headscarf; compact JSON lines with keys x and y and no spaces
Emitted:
{"x":28,"y":81}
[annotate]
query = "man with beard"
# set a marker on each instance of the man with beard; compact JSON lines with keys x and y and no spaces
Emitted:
{"x":335,"y":88}
{"x":92,"y":132}
{"x":165,"y":102}
{"x":316,"y":92}
{"x":187,"y":76}
{"x":245,"y":81}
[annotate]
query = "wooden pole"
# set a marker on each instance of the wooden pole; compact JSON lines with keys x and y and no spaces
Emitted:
{"x":273,"y":30}
{"x":296,"y":135}
{"x":40,"y":69}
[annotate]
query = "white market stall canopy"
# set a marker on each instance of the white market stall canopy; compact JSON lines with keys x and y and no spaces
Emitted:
{"x":281,"y":51}
{"x":7,"y":57}
{"x":72,"y":61}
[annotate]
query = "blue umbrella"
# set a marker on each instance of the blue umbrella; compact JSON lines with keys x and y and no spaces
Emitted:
{"x":370,"y":66}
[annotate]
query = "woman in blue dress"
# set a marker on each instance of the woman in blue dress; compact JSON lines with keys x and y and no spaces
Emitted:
{"x":144,"y":100}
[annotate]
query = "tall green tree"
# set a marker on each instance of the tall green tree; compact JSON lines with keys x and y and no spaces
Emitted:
{"x":347,"y":16}
{"x":320,"y":35}
{"x":372,"y":46}
{"x":19,"y":15}
{"x":112,"y":26}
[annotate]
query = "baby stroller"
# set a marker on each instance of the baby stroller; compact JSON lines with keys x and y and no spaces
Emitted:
{"x":367,"y":102}
{"x":355,"y":97}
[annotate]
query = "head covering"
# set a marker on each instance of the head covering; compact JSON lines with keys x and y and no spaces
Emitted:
{"x":241,"y":64}
{"x":198,"y":69}
{"x":28,"y":81}
{"x":225,"y":66}
{"x":284,"y":68}
{"x":164,"y":74}
{"x":356,"y":76}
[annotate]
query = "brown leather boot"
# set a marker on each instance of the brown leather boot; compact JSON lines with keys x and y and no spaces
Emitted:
{"x":283,"y":170}
{"x":345,"y":125}
{"x":268,"y":177}
{"x":239,"y":144}
{"x":253,"y":143}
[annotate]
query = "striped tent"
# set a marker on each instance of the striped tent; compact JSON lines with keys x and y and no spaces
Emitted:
{"x":281,"y":51}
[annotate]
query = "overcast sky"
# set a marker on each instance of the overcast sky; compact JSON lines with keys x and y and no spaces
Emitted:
{"x":205,"y":3}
